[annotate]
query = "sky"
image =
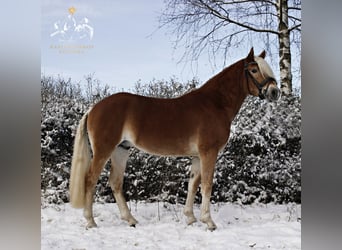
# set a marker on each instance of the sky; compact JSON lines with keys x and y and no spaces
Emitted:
{"x":126,"y":45}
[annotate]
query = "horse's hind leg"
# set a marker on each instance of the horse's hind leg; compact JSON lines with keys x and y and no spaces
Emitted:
{"x":195,"y":178}
{"x":97,"y":164}
{"x":119,"y":159}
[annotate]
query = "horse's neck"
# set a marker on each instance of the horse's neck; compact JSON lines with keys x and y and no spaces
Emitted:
{"x":226,"y":88}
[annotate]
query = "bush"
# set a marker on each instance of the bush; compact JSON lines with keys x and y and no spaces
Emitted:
{"x":261,"y":162}
{"x":262,"y":158}
{"x":62,"y":107}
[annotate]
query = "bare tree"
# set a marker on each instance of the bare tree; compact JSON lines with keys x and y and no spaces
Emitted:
{"x":218,"y":25}
{"x":95,"y":90}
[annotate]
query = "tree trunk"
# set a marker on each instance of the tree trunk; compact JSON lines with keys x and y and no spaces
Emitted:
{"x":284,"y":48}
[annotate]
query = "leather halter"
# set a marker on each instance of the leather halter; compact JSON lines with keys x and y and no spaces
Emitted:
{"x":259,"y":85}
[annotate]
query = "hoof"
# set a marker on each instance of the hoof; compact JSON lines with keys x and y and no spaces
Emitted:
{"x":191,"y":221}
{"x":211,"y":225}
{"x":91,"y":225}
{"x":132,"y":222}
{"x":190,"y":216}
{"x":212,"y":228}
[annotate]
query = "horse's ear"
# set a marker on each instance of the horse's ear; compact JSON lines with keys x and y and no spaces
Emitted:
{"x":250,"y":57}
{"x":263,"y":54}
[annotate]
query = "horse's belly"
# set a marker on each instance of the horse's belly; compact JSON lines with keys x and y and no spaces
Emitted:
{"x":163,"y":143}
{"x":166,"y":149}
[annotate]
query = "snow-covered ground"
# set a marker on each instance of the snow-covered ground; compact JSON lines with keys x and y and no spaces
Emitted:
{"x":163,"y":226}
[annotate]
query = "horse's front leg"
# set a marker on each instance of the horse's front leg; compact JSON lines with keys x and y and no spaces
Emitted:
{"x":208,"y":160}
{"x":195,"y":178}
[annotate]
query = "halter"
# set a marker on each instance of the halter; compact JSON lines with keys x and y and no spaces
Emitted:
{"x":256,"y":83}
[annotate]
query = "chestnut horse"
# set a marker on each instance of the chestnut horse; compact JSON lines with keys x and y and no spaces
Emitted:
{"x":195,"y":124}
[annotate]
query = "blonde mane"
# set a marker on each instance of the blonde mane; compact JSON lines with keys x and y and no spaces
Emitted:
{"x":265,"y":69}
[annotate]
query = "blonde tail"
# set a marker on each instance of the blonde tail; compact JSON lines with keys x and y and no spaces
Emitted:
{"x":80,"y":165}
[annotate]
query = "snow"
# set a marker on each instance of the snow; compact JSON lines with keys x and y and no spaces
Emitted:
{"x":163,"y":226}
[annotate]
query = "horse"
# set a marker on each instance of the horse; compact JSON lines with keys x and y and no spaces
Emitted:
{"x":196,"y":124}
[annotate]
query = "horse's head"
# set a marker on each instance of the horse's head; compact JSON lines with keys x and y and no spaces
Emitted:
{"x":259,"y":76}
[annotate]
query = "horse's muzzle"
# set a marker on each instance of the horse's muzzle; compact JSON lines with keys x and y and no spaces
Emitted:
{"x":273,"y":94}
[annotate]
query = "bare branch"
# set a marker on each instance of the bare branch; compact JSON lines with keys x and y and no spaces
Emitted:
{"x":295,"y":18}
{"x":246,"y":1}
{"x":295,"y":8}
{"x":230,"y":20}
{"x":296,"y":27}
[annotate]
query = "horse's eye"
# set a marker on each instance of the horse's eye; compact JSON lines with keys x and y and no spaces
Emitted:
{"x":254,"y":71}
